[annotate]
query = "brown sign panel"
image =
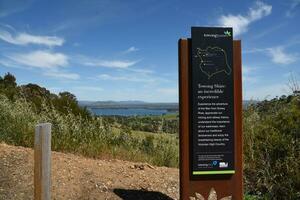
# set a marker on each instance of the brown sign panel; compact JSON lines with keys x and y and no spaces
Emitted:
{"x":224,"y":185}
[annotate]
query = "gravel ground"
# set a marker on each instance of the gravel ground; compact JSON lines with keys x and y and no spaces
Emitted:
{"x":76,"y":177}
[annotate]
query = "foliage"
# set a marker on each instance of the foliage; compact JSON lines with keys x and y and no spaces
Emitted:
{"x":8,"y":86}
{"x":251,"y":197}
{"x":272,"y":148}
{"x":154,"y":124}
{"x":64,"y":102}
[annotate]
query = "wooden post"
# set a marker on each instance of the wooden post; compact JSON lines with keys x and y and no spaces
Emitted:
{"x":223,"y":185}
{"x":42,"y":161}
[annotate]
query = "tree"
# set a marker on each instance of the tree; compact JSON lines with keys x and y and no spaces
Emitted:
{"x":38,"y":96}
{"x":67,"y":96}
{"x":8,"y":86}
{"x":67,"y":102}
{"x":9,"y":80}
{"x":35,"y":94}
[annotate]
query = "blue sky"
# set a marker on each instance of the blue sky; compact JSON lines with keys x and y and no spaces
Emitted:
{"x":127,"y":50}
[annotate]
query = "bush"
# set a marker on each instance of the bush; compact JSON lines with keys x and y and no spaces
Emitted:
{"x":272,"y":148}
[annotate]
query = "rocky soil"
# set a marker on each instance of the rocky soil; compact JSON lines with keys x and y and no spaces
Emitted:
{"x":76,"y":177}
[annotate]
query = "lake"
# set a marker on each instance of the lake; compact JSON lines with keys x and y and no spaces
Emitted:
{"x":128,"y":111}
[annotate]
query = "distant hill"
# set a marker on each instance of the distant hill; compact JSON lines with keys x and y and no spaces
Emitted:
{"x":101,"y":103}
{"x":129,"y":104}
{"x":141,"y":104}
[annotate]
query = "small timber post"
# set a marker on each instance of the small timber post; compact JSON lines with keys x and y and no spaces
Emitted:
{"x":42,"y":162}
{"x":210,"y":105}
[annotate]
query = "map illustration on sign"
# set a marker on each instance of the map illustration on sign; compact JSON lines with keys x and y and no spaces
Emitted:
{"x":213,"y":60}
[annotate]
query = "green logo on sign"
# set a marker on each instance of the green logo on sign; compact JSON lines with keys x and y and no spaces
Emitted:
{"x":228,"y":33}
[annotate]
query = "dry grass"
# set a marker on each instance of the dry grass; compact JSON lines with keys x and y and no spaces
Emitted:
{"x":88,"y":137}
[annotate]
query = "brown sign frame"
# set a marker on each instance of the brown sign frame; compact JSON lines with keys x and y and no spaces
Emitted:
{"x":224,"y":185}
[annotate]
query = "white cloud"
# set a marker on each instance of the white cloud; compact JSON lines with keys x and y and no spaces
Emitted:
{"x":109,"y":63}
{"x":109,"y":77}
{"x":279,"y":56}
{"x":25,"y":39}
{"x":8,"y":63}
{"x":141,"y":71}
{"x":123,"y":78}
{"x":40,"y":59}
{"x":62,"y":75}
{"x":98,"y":62}
{"x":240,"y":23}
{"x":130,"y":49}
{"x":132,"y":78}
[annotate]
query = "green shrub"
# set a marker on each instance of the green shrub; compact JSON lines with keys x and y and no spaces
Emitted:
{"x":272,"y":148}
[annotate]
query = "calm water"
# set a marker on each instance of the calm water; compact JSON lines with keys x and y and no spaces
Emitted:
{"x":127,"y":112}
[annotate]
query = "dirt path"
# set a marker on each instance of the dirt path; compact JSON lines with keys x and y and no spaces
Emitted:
{"x":75,"y":177}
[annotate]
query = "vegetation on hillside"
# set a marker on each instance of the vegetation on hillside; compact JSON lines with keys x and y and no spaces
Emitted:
{"x":38,"y":96}
{"x":272,"y":148}
{"x":74,"y":128}
{"x":271,"y":135}
{"x":155,"y":124}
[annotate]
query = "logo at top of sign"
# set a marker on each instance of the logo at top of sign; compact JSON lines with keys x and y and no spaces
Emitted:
{"x":213,"y":60}
{"x":228,"y":33}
